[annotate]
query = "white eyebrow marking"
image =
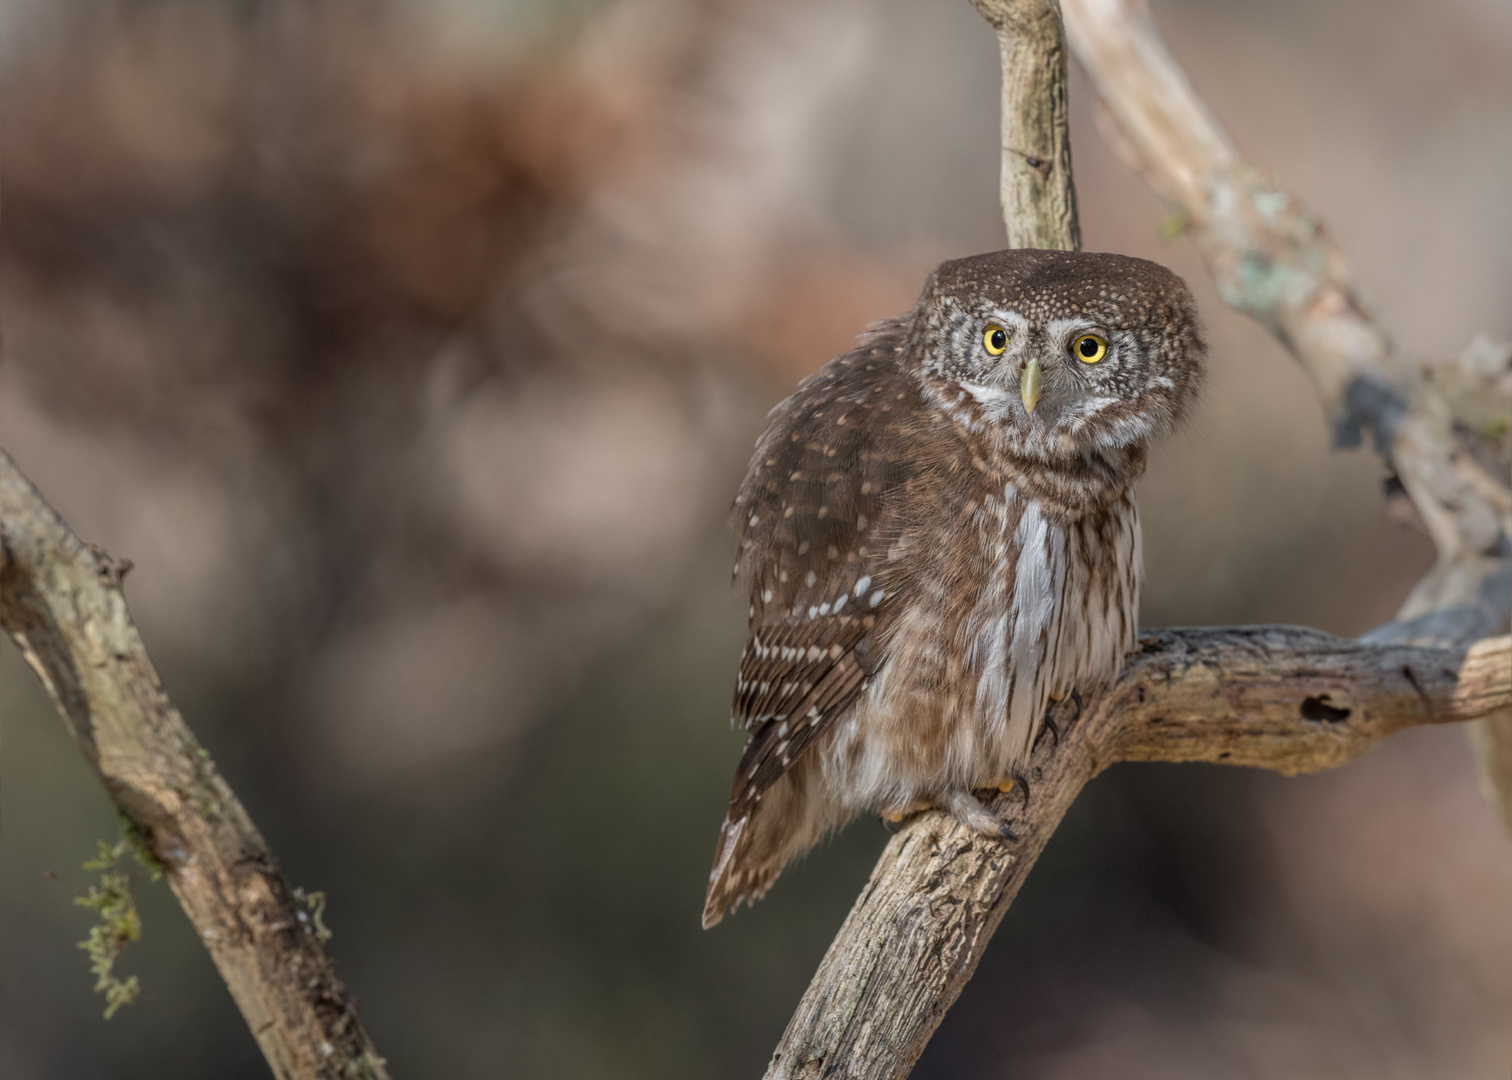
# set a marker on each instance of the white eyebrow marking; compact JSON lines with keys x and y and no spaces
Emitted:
{"x":1059,"y":331}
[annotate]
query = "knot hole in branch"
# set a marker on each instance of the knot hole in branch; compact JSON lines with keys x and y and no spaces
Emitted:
{"x":112,"y":571}
{"x":1319,"y":708}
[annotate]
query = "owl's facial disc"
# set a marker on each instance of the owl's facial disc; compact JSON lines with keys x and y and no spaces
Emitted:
{"x":1097,"y":352}
{"x":1041,"y":374}
{"x":1047,"y":380}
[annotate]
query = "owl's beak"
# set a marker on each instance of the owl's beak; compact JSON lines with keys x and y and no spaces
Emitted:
{"x":1030,"y":384}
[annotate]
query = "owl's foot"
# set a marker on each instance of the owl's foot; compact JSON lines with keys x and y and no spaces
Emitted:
{"x":965,"y":808}
{"x":900,"y":814}
{"x":1014,"y":782}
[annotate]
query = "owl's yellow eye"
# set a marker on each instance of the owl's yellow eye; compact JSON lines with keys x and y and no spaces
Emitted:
{"x":995,"y":339}
{"x":1090,"y":348}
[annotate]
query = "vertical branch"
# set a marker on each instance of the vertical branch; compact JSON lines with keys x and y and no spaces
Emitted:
{"x":61,"y":602}
{"x":915,"y":935}
{"x":1039,"y":198}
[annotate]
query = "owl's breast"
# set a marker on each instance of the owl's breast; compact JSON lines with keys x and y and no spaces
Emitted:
{"x":1011,"y":621}
{"x":1046,"y":607}
{"x":1099,"y":620}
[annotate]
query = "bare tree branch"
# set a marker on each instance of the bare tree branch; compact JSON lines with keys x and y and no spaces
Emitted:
{"x":1274,"y":260}
{"x":1039,"y":199}
{"x":1283,"y":698}
{"x":1279,"y":697}
{"x":61,"y":602}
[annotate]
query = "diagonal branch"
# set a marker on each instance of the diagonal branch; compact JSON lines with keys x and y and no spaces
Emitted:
{"x":1274,"y":260}
{"x":61,"y":602}
{"x":1284,"y":698}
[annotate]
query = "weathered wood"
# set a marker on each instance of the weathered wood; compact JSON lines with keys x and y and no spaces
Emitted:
{"x":1278,"y":697}
{"x":61,"y":602}
{"x":1039,"y":199}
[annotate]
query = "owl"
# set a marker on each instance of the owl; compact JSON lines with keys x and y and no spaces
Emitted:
{"x":939,"y":535}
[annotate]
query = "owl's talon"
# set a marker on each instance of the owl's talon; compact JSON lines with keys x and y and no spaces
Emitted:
{"x":1023,"y":785}
{"x":898,"y":816}
{"x":1049,"y":725}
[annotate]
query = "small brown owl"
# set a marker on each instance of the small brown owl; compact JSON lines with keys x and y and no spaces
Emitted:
{"x":940,"y":536}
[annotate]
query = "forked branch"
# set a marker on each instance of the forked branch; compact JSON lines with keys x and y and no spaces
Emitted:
{"x":1279,"y":697}
{"x":1284,"y":698}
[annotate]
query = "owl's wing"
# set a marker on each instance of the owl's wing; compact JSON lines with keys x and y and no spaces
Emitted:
{"x":795,"y":682}
{"x":815,"y":515}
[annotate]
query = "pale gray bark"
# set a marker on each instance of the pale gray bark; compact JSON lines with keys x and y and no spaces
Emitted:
{"x":1273,"y":259}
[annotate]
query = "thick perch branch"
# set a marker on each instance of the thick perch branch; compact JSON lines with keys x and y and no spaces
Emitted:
{"x":61,"y":603}
{"x":1280,"y":697}
{"x":1284,"y":698}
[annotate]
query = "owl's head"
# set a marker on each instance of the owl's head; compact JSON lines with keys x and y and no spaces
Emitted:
{"x":1063,"y":352}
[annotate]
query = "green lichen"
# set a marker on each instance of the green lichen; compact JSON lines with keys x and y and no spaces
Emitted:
{"x":366,"y":1066}
{"x":1271,"y":204}
{"x":315,"y":902}
{"x":1260,"y":284}
{"x":118,"y":926}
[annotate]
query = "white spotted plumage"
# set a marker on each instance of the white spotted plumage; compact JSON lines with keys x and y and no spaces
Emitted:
{"x":930,"y":560}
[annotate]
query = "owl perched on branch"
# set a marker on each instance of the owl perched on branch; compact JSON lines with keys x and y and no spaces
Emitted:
{"x":940,"y":536}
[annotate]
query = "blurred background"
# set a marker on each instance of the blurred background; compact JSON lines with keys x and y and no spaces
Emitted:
{"x":413,"y":351}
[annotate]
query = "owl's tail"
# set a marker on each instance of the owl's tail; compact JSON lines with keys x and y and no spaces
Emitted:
{"x":731,"y":880}
{"x":753,"y":848}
